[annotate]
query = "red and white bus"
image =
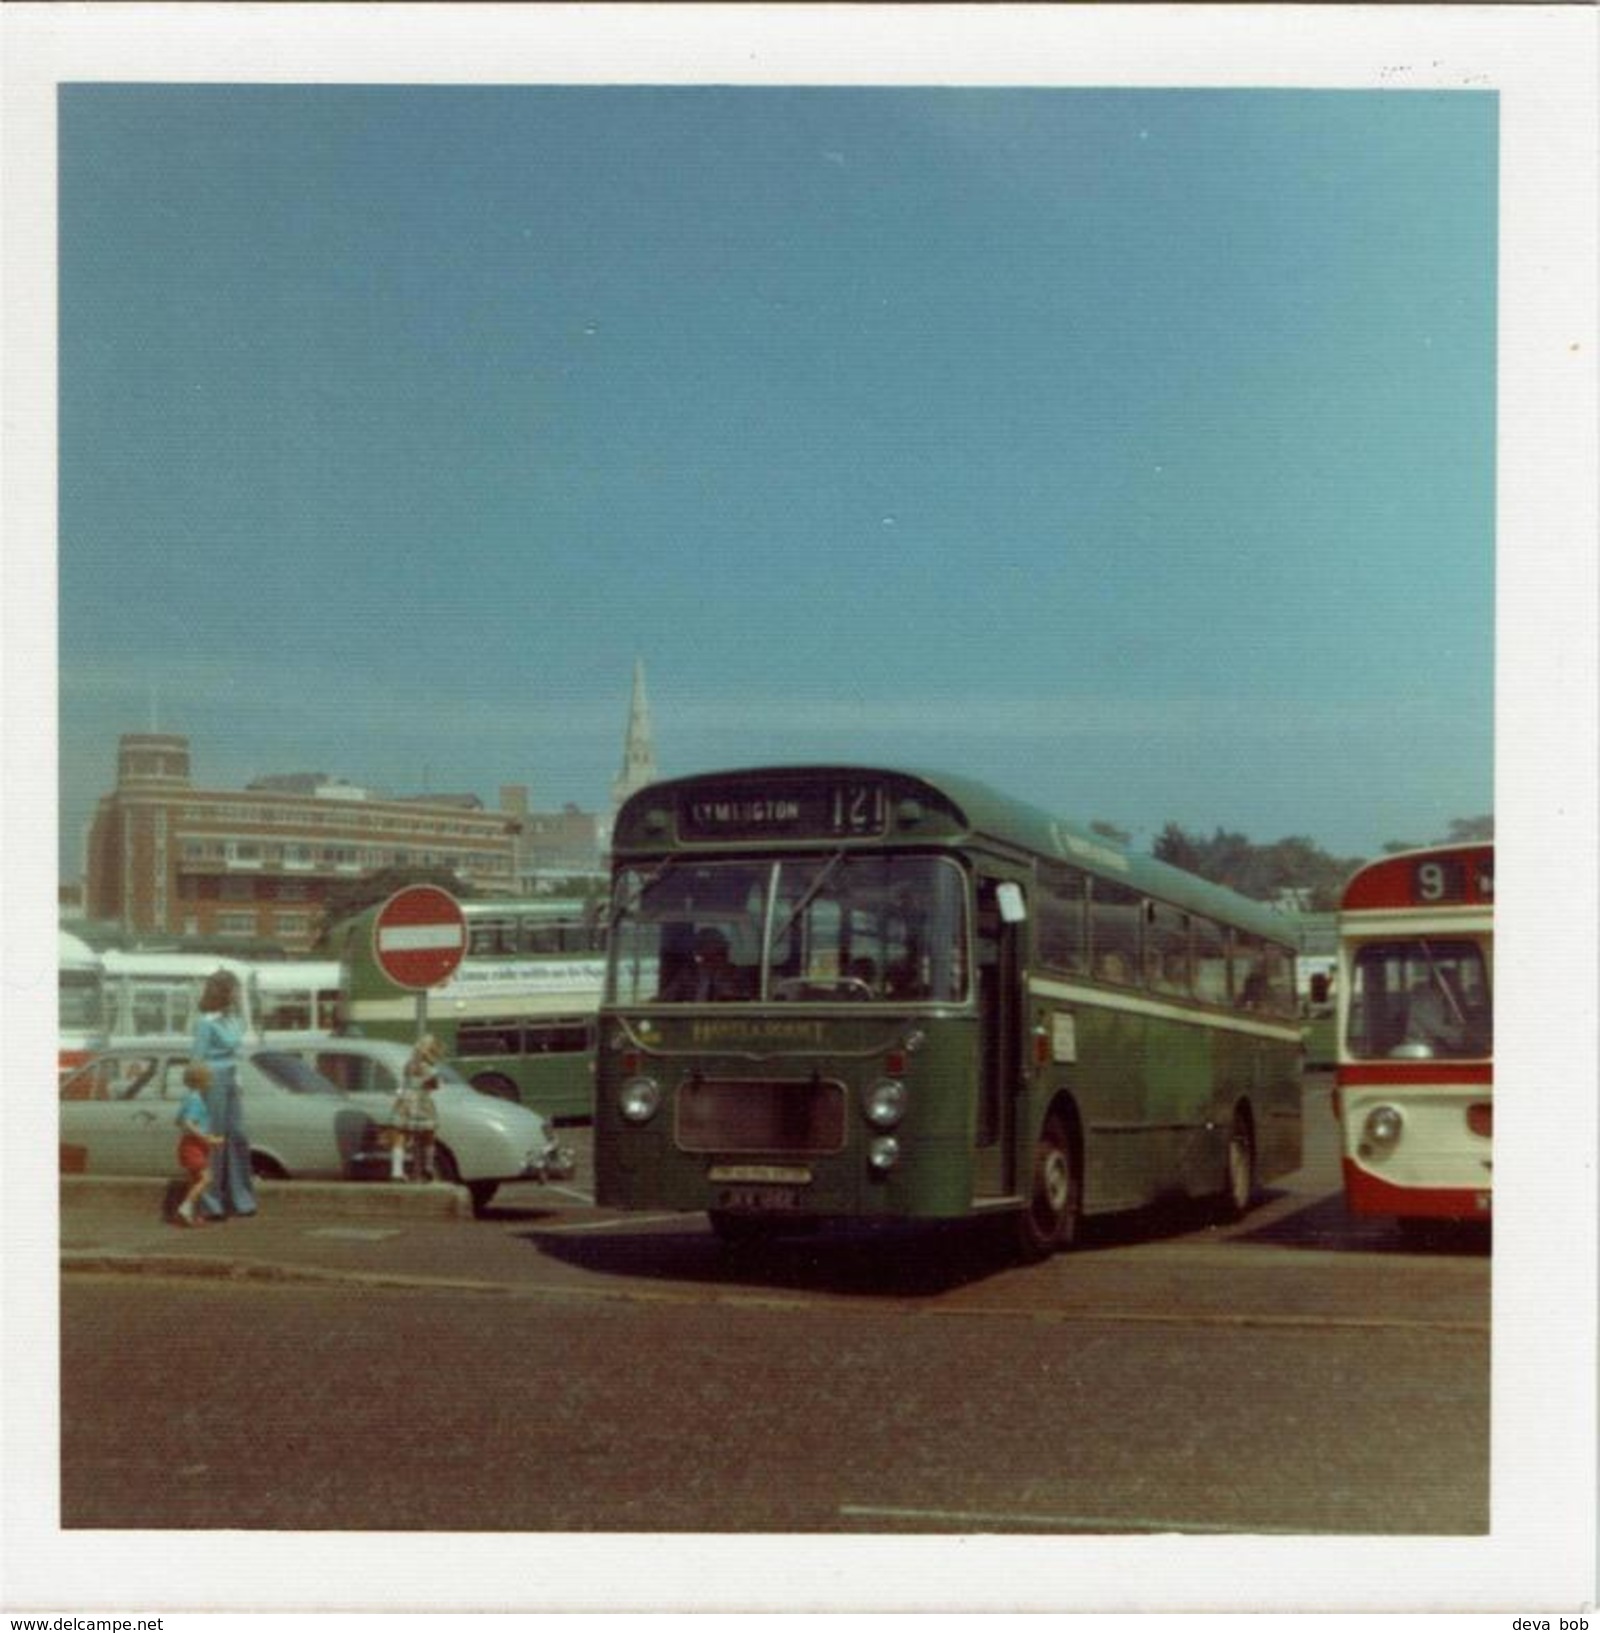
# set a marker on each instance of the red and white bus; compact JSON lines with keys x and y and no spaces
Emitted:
{"x":1415,"y":1081}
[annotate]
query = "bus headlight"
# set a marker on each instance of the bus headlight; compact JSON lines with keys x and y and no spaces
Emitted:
{"x":1382,"y":1129}
{"x":884,"y":1104}
{"x":639,"y":1099}
{"x":883,"y":1153}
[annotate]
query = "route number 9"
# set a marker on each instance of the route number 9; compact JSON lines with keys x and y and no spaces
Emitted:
{"x":1436,"y":881}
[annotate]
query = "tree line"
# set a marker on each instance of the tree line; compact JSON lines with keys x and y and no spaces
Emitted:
{"x":1295,"y":866}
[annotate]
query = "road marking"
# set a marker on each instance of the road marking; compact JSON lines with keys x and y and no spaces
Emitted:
{"x":353,"y":1233}
{"x":611,"y":1224}
{"x":981,"y":1520}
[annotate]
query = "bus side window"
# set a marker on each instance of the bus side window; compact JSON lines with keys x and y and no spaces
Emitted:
{"x":1210,"y":962}
{"x":1166,"y":949}
{"x":488,"y":937}
{"x":1064,"y":919}
{"x":537,"y":937}
{"x":1114,"y":932}
{"x":1249,"y":971}
{"x":1280,"y":980}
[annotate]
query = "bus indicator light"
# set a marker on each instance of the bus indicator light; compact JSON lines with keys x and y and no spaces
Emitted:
{"x":1480,"y":1118}
{"x":885,"y":1103}
{"x":884,"y":1153}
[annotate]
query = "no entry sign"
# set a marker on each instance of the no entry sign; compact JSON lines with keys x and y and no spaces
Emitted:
{"x":419,"y":937}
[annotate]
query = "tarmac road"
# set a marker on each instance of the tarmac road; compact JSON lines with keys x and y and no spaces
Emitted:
{"x":581,"y":1370}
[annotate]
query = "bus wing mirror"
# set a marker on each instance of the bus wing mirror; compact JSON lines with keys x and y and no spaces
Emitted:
{"x":1011,"y":902}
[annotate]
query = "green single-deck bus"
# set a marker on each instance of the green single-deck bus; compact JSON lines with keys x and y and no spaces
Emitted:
{"x":845,"y":993}
{"x":517,"y":1018}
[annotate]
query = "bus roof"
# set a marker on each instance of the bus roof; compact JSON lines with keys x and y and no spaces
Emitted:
{"x":933,"y":806}
{"x":119,"y":962}
{"x":75,"y":952}
{"x":290,"y":974}
{"x":1432,"y":876}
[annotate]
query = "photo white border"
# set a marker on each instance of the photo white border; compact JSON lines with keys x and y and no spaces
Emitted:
{"x":1541,"y":1551}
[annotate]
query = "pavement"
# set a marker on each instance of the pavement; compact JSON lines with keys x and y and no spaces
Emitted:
{"x":371,"y":1233}
{"x":551,"y":1242}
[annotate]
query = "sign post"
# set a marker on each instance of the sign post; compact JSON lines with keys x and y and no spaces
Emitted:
{"x":419,"y":937}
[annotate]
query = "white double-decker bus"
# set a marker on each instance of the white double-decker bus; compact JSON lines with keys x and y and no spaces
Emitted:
{"x":154,"y":997}
{"x":299,"y":997}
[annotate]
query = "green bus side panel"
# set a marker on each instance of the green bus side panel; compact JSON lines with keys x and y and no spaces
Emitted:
{"x":1156,"y":1101}
{"x":559,"y":1085}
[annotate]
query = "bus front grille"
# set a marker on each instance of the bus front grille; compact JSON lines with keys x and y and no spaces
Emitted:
{"x":725,"y":1114}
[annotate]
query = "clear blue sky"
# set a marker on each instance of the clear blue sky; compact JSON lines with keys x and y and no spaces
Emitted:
{"x":1132,"y":450}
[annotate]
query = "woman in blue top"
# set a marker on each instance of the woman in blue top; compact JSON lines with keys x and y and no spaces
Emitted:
{"x":217,"y":1036}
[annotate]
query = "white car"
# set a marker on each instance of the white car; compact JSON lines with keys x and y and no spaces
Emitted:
{"x":118,"y":1115}
{"x":483,"y":1141}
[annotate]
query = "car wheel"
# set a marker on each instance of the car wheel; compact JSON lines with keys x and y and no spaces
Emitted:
{"x":1049,"y":1222}
{"x":482,"y":1193}
{"x":262,"y":1167}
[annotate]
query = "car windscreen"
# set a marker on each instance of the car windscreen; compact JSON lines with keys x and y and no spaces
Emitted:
{"x":291,"y":1073}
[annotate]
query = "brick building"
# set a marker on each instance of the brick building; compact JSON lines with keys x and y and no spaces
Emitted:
{"x":166,"y":857}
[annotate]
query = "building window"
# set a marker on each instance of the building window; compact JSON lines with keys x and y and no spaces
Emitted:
{"x":236,"y":924}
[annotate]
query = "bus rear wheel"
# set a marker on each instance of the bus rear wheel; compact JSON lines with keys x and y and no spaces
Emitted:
{"x":1049,"y":1222}
{"x":1239,"y":1169}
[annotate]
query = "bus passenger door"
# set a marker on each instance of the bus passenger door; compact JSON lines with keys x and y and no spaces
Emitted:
{"x":999,"y":969}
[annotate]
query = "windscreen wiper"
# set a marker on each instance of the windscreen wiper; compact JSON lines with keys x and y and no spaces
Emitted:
{"x":829,"y":868}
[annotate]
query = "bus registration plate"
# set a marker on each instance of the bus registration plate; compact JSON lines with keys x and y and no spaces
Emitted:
{"x":759,"y":1198}
{"x":759,"y":1187}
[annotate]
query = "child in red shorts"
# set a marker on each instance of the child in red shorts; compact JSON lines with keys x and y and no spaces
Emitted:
{"x":195,"y":1139}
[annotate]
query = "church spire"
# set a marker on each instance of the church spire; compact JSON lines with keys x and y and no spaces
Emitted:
{"x":638,"y":752}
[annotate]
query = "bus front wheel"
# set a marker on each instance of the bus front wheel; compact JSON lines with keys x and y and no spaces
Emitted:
{"x":1049,"y":1222}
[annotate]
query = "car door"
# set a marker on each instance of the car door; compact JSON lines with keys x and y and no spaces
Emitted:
{"x":122,"y":1112}
{"x":302,"y":1129}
